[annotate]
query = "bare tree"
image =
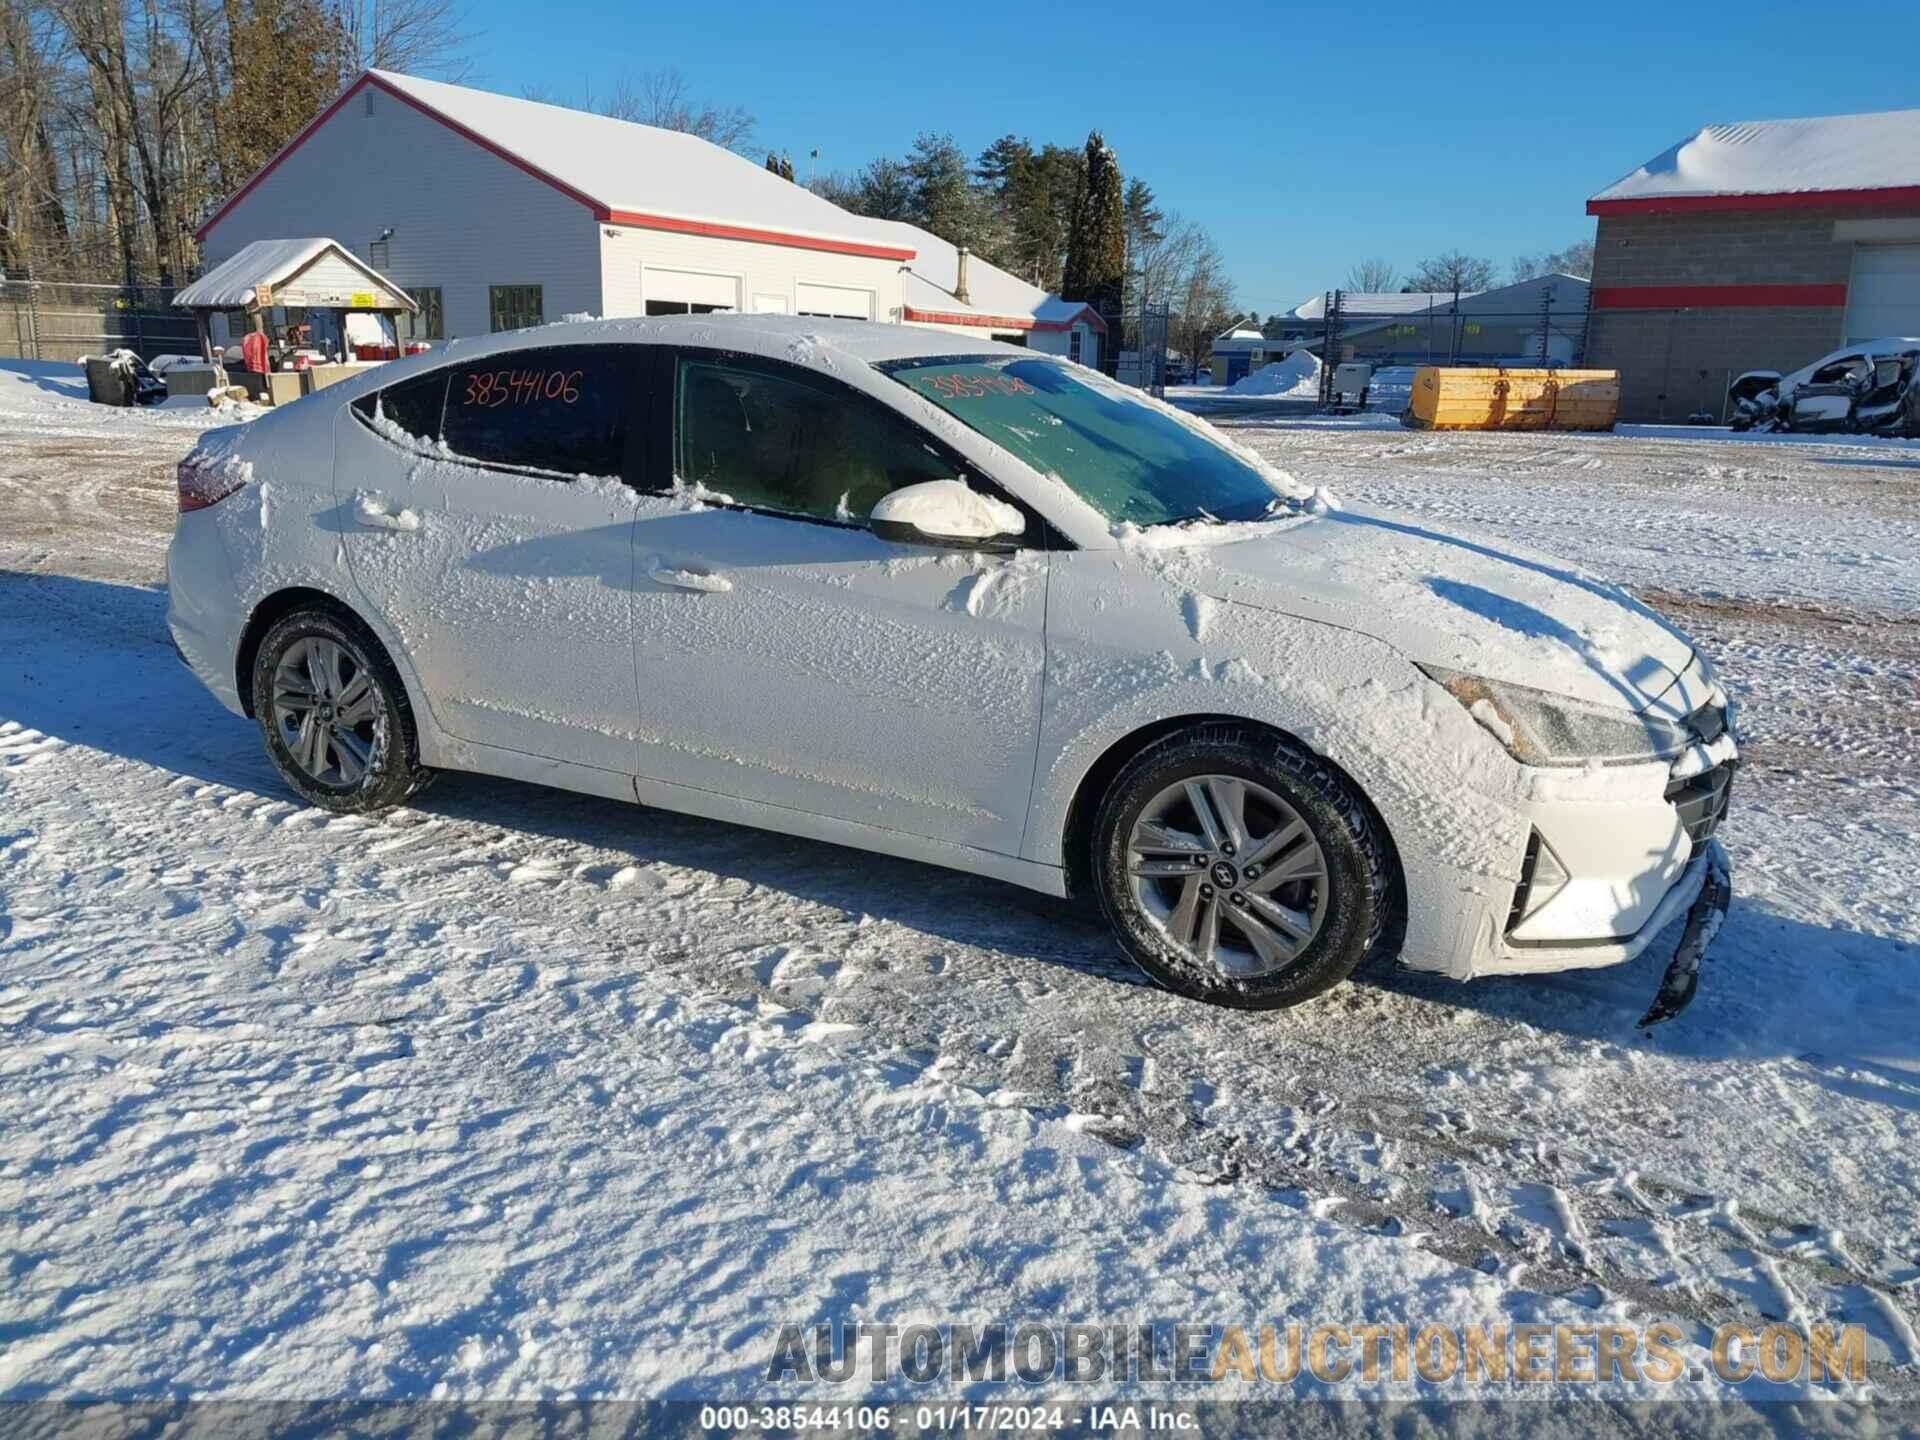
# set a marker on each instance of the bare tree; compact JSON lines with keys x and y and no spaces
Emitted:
{"x":1576,"y":259}
{"x":1452,"y":271}
{"x":663,"y":98}
{"x":1371,"y":277}
{"x":1202,"y":299}
{"x":419,"y":37}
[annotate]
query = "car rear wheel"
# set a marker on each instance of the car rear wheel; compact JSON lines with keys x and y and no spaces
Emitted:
{"x":1240,"y":869}
{"x":334,"y":714}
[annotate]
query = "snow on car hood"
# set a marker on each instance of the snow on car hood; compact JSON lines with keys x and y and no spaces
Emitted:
{"x":1479,"y":605}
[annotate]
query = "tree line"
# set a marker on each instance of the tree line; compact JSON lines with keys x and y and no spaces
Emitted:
{"x":122,"y":122}
{"x":1456,"y":270}
{"x":1063,"y":218}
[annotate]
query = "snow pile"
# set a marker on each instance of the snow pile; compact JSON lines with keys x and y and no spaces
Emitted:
{"x":1298,"y":374}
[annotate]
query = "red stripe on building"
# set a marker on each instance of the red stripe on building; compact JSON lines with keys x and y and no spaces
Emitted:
{"x":1002,"y":322}
{"x":600,"y":212}
{"x":764,"y":237}
{"x":1892,"y":197}
{"x":1714,"y":297}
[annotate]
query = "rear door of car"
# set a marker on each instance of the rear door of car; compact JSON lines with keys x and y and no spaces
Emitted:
{"x":790,"y":657}
{"x":487,"y":516}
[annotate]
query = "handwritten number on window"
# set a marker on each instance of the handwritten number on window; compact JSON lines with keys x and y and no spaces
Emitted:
{"x":489,"y":389}
{"x":958,"y":385}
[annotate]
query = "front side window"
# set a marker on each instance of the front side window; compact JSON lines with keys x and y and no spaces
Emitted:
{"x":1125,"y":457}
{"x":428,"y":323}
{"x":514,"y":307}
{"x":775,"y":442}
{"x":561,"y":412}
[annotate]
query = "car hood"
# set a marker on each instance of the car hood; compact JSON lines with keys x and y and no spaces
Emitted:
{"x":1478,"y":605}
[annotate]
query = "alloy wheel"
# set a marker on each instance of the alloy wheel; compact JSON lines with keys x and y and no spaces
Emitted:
{"x":1230,"y":872}
{"x":328,"y":711}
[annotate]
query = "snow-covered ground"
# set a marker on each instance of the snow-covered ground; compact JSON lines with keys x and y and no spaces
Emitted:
{"x":517,"y":1093}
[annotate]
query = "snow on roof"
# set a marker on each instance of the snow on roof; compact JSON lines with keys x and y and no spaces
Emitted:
{"x":230,"y":284}
{"x":1776,"y":157}
{"x":1375,"y":302}
{"x":992,"y":293}
{"x":641,"y":169}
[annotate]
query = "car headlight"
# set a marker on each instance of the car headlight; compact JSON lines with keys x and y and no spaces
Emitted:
{"x":1541,"y":728}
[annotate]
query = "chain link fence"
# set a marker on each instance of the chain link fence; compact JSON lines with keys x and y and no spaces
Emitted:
{"x":65,"y":320}
{"x":1135,"y":352}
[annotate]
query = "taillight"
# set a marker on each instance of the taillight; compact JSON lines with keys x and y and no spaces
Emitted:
{"x":206,"y":480}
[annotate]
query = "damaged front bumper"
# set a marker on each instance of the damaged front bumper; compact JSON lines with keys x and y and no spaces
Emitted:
{"x":1704,"y":917}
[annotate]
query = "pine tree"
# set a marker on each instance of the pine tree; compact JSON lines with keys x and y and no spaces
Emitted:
{"x":284,"y":63}
{"x":943,"y":196}
{"x":884,"y":190}
{"x":1096,"y":266}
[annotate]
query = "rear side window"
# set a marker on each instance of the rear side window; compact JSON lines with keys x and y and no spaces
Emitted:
{"x":565,"y":411}
{"x":414,"y":406}
{"x":777,"y":443}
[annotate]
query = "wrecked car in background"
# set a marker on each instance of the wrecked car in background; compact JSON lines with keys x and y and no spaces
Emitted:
{"x":1872,"y":388}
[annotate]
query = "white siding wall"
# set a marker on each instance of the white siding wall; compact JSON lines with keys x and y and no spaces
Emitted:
{"x":462,"y":217}
{"x":761,"y":269}
{"x":1055,"y":342}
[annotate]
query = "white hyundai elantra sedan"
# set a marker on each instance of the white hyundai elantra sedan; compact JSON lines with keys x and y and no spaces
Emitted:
{"x":967,"y":604}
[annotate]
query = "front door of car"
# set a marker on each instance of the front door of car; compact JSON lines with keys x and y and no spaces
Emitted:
{"x":487,"y":522}
{"x":788,"y":656}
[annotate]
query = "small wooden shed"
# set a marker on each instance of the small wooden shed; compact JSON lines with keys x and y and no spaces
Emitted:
{"x":314,"y":274}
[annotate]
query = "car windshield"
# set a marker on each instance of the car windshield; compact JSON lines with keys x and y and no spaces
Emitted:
{"x":1125,"y":458}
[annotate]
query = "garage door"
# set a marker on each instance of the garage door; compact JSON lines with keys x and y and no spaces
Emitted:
{"x":835,"y":300}
{"x":680,"y":292}
{"x":1884,"y":296}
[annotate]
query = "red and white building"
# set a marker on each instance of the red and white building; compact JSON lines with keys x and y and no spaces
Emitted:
{"x":495,"y":212}
{"x":1754,"y":246}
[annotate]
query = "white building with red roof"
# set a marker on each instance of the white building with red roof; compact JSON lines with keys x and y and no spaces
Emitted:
{"x":496,"y":212}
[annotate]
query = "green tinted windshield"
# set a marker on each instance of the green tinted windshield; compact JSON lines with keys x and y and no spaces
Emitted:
{"x":1122,"y":456}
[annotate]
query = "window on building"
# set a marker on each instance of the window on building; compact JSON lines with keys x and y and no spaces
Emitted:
{"x":684,"y":307}
{"x":238,"y":324}
{"x":777,"y":443}
{"x":429,"y":323}
{"x":1073,"y":345}
{"x":514,"y":307}
{"x":561,"y":411}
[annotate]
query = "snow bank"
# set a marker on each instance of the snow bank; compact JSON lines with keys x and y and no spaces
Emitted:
{"x":1298,"y":374}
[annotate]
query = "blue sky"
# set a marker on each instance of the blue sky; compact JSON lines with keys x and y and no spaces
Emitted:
{"x":1369,"y":129}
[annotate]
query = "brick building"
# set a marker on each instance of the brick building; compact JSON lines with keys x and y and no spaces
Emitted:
{"x":1754,"y":246}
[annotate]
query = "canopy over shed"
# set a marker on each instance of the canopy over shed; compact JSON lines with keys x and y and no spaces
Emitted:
{"x":314,"y":272}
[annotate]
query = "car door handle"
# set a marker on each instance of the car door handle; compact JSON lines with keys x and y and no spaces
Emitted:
{"x":377,"y":513}
{"x":703,"y":582}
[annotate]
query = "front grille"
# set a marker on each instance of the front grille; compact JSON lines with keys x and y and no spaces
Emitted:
{"x":1702,"y":800}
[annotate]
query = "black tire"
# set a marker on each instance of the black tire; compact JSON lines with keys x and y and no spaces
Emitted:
{"x":391,"y":772}
{"x":1361,"y":888}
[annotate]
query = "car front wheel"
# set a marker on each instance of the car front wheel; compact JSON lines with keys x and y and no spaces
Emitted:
{"x":1240,"y":869}
{"x":334,"y":714}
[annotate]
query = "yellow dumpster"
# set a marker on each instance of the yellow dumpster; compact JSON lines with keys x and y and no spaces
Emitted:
{"x":1498,"y":399}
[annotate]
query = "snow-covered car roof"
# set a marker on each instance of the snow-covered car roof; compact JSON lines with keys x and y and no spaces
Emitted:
{"x":800,"y":338}
{"x":1876,"y":151}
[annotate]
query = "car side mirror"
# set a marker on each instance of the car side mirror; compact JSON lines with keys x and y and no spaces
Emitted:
{"x":949,"y":514}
